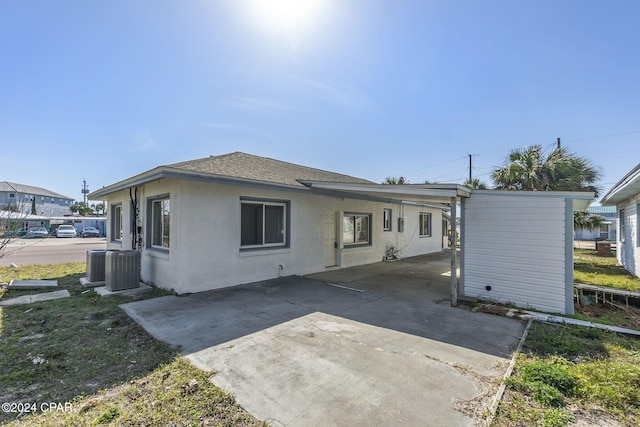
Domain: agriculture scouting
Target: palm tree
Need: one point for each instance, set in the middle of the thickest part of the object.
(475, 184)
(587, 221)
(392, 180)
(530, 169)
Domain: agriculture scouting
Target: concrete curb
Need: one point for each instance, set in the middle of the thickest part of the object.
(503, 385)
(540, 317)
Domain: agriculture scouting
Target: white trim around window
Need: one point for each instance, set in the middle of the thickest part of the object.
(387, 219)
(116, 223)
(424, 224)
(356, 229)
(264, 224)
(159, 231)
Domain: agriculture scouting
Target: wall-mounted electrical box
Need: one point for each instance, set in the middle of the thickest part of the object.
(400, 225)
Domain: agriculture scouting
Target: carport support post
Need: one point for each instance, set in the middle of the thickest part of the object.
(454, 240)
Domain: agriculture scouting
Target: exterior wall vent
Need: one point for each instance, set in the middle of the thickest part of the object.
(122, 270)
(95, 266)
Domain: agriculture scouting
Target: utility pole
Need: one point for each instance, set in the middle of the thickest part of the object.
(558, 143)
(85, 190)
(470, 156)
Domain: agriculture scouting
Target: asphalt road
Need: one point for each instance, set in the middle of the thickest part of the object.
(50, 250)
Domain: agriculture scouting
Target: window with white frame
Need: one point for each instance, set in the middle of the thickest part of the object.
(160, 210)
(424, 224)
(116, 222)
(386, 220)
(356, 229)
(263, 224)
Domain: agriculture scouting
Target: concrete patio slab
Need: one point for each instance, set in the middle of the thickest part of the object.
(298, 352)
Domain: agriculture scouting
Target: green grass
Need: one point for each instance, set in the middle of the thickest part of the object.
(566, 373)
(63, 350)
(176, 393)
(592, 269)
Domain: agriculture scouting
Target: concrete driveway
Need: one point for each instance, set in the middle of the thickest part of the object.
(383, 347)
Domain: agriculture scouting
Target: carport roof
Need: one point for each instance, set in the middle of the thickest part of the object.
(422, 194)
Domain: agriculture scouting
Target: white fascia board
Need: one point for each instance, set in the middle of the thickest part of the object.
(581, 199)
(624, 189)
(384, 189)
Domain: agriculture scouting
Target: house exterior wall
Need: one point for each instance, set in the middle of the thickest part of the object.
(517, 249)
(597, 234)
(205, 250)
(45, 205)
(628, 242)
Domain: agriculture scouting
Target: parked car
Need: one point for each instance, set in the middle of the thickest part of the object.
(90, 232)
(66, 231)
(12, 234)
(37, 232)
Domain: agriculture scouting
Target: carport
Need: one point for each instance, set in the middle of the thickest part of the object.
(516, 247)
(446, 197)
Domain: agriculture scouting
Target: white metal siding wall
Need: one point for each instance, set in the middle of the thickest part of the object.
(516, 245)
(628, 252)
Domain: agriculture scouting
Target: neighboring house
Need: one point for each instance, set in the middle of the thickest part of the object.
(606, 231)
(27, 199)
(625, 196)
(13, 222)
(238, 218)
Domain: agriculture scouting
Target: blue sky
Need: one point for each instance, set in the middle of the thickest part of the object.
(104, 90)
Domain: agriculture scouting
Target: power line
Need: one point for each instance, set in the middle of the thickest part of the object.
(604, 136)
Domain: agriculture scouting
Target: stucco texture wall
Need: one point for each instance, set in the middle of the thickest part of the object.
(205, 250)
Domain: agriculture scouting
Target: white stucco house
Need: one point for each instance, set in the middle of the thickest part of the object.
(238, 218)
(625, 196)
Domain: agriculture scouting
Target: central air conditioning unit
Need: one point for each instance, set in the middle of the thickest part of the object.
(122, 270)
(95, 266)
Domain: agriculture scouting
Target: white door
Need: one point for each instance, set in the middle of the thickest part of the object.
(330, 240)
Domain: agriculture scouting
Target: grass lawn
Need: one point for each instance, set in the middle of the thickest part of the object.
(592, 269)
(87, 355)
(573, 374)
(570, 375)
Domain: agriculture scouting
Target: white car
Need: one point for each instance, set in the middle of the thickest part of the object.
(66, 231)
(37, 232)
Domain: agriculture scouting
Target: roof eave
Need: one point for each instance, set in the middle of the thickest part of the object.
(163, 172)
(624, 189)
(401, 189)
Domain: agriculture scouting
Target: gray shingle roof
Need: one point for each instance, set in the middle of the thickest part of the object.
(263, 169)
(10, 187)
